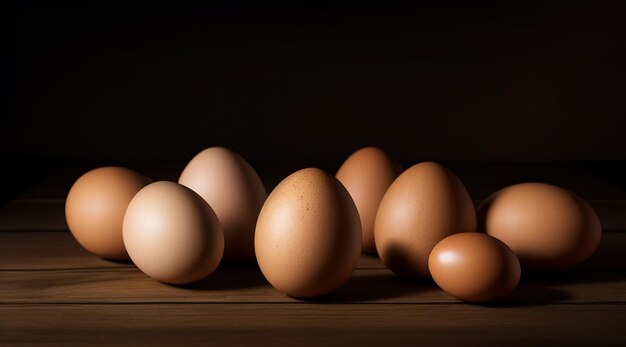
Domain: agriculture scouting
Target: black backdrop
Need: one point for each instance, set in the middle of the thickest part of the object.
(309, 80)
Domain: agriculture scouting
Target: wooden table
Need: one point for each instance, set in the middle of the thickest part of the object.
(53, 291)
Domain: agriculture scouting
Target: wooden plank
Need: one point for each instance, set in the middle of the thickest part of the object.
(32, 250)
(312, 325)
(49, 214)
(129, 285)
(24, 250)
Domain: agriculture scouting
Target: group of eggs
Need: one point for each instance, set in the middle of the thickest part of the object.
(308, 234)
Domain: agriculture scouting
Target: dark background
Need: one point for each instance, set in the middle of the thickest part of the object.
(449, 81)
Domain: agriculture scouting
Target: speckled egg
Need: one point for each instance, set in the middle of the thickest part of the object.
(308, 235)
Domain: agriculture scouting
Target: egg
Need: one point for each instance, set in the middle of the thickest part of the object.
(172, 234)
(548, 227)
(95, 207)
(474, 267)
(367, 174)
(425, 204)
(234, 191)
(308, 235)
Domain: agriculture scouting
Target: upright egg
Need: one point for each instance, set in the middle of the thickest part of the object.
(172, 234)
(474, 267)
(308, 235)
(234, 191)
(367, 174)
(425, 204)
(548, 227)
(95, 207)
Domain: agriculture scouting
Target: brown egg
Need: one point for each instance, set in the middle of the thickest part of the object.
(367, 174)
(172, 234)
(234, 191)
(425, 204)
(474, 267)
(95, 207)
(548, 227)
(308, 236)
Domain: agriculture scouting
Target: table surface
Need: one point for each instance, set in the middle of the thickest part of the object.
(53, 291)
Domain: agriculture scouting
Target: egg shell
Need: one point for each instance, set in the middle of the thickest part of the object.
(95, 208)
(367, 174)
(172, 234)
(474, 267)
(234, 191)
(548, 227)
(308, 235)
(425, 204)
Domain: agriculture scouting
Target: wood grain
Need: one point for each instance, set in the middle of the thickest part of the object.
(42, 250)
(23, 250)
(313, 324)
(31, 250)
(54, 292)
(365, 286)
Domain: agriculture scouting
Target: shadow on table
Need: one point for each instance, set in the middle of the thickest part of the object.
(119, 261)
(543, 289)
(230, 276)
(375, 287)
(577, 276)
(530, 295)
(229, 280)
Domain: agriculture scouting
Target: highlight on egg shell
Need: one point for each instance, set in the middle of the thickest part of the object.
(424, 205)
(172, 234)
(366, 174)
(95, 208)
(548, 227)
(308, 235)
(231, 186)
(474, 267)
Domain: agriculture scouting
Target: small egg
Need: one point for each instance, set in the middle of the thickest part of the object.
(474, 267)
(95, 207)
(308, 235)
(425, 204)
(234, 191)
(548, 227)
(367, 174)
(172, 234)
